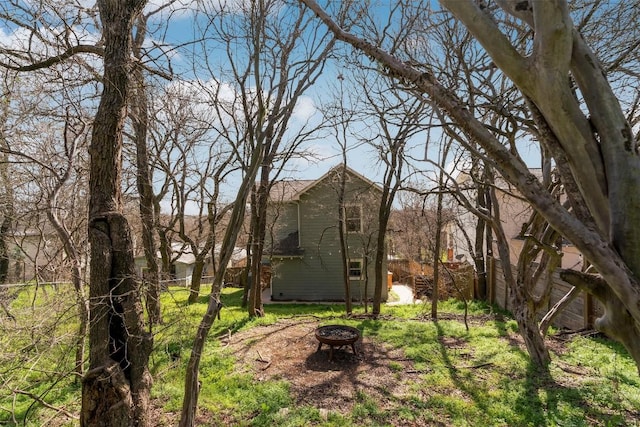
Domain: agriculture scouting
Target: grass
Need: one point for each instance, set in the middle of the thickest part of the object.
(475, 377)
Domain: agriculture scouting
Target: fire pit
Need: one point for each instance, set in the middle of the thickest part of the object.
(337, 336)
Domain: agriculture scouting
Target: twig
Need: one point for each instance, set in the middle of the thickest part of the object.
(481, 365)
(45, 404)
(263, 360)
(228, 338)
(265, 367)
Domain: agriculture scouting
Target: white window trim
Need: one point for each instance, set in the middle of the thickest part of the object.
(358, 260)
(346, 219)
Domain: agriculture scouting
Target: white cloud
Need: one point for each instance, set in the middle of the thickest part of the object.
(304, 109)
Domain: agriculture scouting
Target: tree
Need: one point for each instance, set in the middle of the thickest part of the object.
(140, 122)
(193, 160)
(7, 202)
(116, 388)
(236, 221)
(398, 120)
(599, 147)
(341, 117)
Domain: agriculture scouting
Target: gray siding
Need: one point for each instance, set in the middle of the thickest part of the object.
(284, 220)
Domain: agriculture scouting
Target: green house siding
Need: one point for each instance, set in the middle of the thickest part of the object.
(284, 217)
(317, 274)
(307, 279)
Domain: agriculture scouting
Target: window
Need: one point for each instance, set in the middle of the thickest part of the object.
(355, 269)
(353, 218)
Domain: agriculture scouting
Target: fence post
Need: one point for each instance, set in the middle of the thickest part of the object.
(491, 279)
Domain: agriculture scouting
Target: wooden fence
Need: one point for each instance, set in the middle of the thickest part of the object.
(579, 314)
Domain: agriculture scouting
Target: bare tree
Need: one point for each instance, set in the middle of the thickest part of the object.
(340, 116)
(398, 120)
(7, 202)
(74, 136)
(50, 160)
(236, 221)
(116, 388)
(194, 161)
(140, 122)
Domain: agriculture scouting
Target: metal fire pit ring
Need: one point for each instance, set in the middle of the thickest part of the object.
(337, 336)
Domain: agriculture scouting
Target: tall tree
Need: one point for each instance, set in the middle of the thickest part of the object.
(591, 132)
(236, 221)
(398, 120)
(116, 389)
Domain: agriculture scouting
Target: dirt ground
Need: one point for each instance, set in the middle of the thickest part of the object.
(289, 350)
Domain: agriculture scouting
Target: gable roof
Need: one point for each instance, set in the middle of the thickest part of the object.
(291, 190)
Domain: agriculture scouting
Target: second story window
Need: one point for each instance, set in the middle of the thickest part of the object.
(355, 269)
(353, 218)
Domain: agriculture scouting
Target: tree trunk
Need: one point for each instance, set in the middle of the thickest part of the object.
(196, 279)
(7, 198)
(344, 244)
(521, 308)
(115, 390)
(139, 114)
(478, 256)
(259, 228)
(7, 223)
(435, 294)
(192, 385)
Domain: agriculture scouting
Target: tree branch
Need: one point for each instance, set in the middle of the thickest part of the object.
(74, 50)
(480, 24)
(591, 283)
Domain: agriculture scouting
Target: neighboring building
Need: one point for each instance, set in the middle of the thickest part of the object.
(303, 241)
(183, 261)
(36, 253)
(514, 213)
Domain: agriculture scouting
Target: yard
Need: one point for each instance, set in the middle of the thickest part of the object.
(409, 370)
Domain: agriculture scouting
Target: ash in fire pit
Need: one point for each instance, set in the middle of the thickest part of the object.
(337, 336)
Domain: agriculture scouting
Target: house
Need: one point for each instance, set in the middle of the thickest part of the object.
(303, 244)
